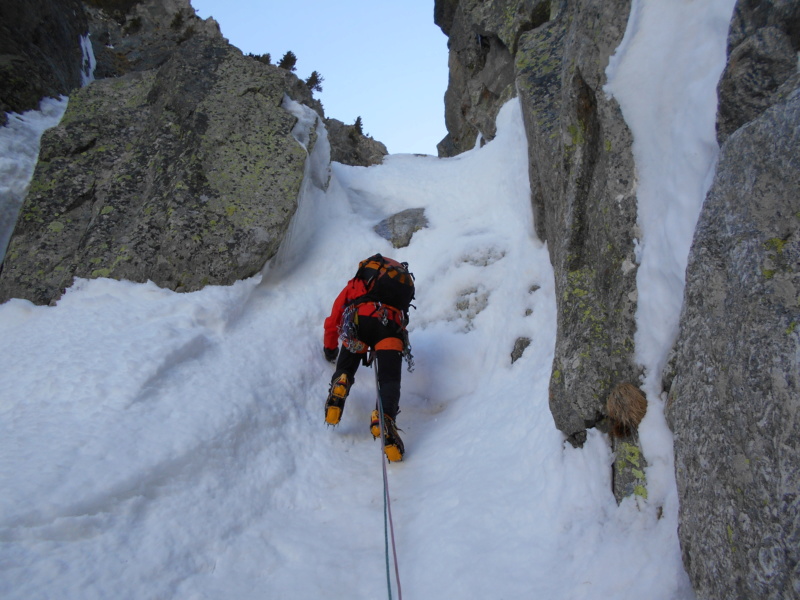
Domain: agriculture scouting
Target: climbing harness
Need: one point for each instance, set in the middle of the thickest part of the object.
(381, 310)
(348, 330)
(388, 525)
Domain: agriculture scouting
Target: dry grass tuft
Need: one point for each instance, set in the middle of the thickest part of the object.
(626, 406)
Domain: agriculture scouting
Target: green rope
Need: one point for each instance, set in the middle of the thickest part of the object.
(387, 507)
(386, 530)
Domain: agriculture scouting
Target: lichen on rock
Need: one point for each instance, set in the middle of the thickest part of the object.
(186, 174)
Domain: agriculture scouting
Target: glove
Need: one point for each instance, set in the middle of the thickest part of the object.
(331, 354)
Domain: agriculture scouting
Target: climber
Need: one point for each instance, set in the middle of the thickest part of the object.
(371, 313)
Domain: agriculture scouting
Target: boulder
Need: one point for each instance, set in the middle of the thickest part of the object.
(520, 345)
(400, 227)
(186, 175)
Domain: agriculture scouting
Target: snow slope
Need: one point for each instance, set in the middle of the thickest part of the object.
(173, 446)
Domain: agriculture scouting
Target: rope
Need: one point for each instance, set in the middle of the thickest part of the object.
(388, 524)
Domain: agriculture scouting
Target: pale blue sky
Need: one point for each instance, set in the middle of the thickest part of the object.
(382, 60)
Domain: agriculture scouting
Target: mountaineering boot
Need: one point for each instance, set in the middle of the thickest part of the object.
(334, 405)
(375, 425)
(393, 445)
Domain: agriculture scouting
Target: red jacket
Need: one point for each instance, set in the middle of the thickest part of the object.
(354, 289)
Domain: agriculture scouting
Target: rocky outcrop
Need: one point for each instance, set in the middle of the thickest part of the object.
(583, 187)
(481, 68)
(183, 170)
(762, 67)
(140, 35)
(40, 51)
(580, 165)
(735, 379)
(177, 165)
(351, 147)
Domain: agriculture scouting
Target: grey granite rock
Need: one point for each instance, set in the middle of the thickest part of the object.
(400, 227)
(735, 396)
(186, 174)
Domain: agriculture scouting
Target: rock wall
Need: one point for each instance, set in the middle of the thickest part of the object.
(734, 402)
(182, 169)
(40, 51)
(735, 398)
(177, 165)
(553, 55)
(140, 35)
(481, 70)
(734, 375)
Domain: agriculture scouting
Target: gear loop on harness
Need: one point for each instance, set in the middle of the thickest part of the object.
(381, 309)
(348, 330)
(407, 352)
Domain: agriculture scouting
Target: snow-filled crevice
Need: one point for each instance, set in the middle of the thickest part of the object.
(672, 117)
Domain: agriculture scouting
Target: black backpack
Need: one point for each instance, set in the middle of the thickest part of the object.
(388, 282)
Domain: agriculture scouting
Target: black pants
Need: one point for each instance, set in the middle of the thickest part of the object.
(371, 331)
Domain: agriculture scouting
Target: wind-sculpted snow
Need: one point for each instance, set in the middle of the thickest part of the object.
(91, 426)
(163, 445)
